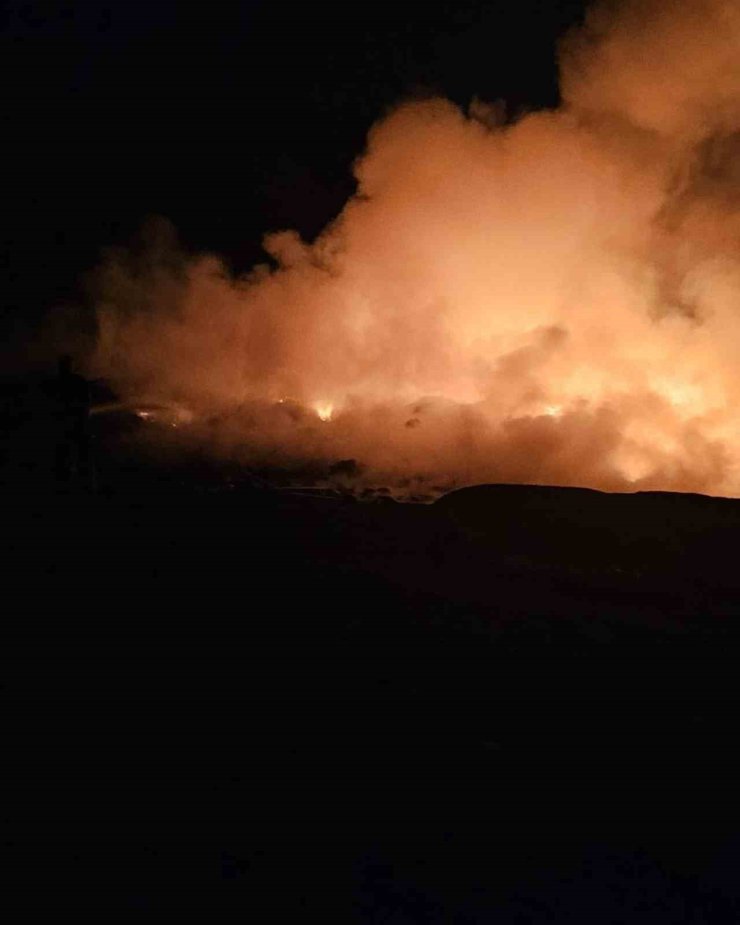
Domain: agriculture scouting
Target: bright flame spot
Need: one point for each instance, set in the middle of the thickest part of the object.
(171, 414)
(554, 411)
(324, 409)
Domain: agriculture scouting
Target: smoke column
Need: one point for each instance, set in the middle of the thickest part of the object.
(553, 301)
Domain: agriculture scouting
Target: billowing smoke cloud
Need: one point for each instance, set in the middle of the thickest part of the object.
(556, 300)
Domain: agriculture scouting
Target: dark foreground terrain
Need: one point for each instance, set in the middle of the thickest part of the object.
(513, 705)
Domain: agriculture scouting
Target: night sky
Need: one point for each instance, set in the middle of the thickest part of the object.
(231, 118)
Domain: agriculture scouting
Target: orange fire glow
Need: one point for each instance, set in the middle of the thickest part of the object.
(555, 300)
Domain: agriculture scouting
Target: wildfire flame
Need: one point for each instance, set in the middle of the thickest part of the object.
(554, 300)
(325, 410)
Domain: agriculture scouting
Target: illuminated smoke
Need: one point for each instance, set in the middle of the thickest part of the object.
(556, 300)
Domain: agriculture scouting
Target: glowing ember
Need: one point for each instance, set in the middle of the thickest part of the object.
(171, 416)
(555, 300)
(324, 410)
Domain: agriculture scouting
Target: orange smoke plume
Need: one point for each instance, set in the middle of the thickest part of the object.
(555, 300)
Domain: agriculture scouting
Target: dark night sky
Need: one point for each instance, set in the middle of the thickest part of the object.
(230, 118)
